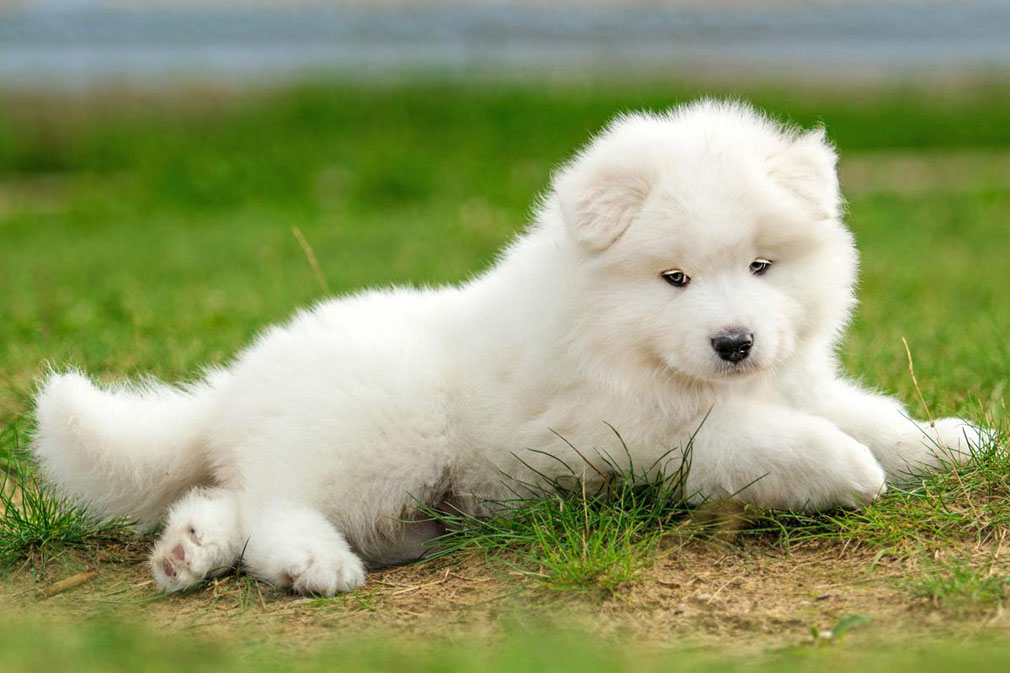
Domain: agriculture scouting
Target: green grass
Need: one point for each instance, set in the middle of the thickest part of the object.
(959, 584)
(109, 646)
(34, 525)
(575, 533)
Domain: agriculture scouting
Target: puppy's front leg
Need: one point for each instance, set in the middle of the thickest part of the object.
(778, 457)
(904, 447)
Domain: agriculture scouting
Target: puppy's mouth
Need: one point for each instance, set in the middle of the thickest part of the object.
(739, 369)
(720, 372)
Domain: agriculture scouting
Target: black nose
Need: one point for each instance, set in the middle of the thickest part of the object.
(733, 346)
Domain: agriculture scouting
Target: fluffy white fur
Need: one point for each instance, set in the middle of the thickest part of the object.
(308, 455)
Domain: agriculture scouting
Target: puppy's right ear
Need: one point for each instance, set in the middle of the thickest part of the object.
(807, 168)
(602, 191)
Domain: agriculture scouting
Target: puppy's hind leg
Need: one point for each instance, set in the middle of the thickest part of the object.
(295, 547)
(202, 538)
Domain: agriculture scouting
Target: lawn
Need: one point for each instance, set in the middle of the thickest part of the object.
(144, 234)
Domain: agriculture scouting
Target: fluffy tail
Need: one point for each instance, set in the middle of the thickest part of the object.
(126, 451)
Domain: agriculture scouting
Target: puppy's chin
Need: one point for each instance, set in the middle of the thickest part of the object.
(718, 372)
(727, 370)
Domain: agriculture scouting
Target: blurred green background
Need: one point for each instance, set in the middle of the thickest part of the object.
(144, 234)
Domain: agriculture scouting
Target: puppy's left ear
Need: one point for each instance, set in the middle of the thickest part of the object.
(807, 167)
(602, 191)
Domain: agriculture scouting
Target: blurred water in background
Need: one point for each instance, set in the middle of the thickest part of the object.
(77, 44)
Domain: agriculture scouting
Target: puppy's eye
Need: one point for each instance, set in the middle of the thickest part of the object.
(759, 266)
(676, 277)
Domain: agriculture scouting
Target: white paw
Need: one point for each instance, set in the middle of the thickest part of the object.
(185, 555)
(841, 472)
(857, 479)
(832, 470)
(952, 440)
(867, 480)
(324, 573)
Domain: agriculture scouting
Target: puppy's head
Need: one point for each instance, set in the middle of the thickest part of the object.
(709, 241)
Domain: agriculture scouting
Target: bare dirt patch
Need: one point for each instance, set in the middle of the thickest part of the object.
(751, 594)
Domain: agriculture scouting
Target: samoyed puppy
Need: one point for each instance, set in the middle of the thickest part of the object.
(685, 281)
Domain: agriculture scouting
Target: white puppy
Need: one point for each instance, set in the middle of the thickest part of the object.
(687, 275)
